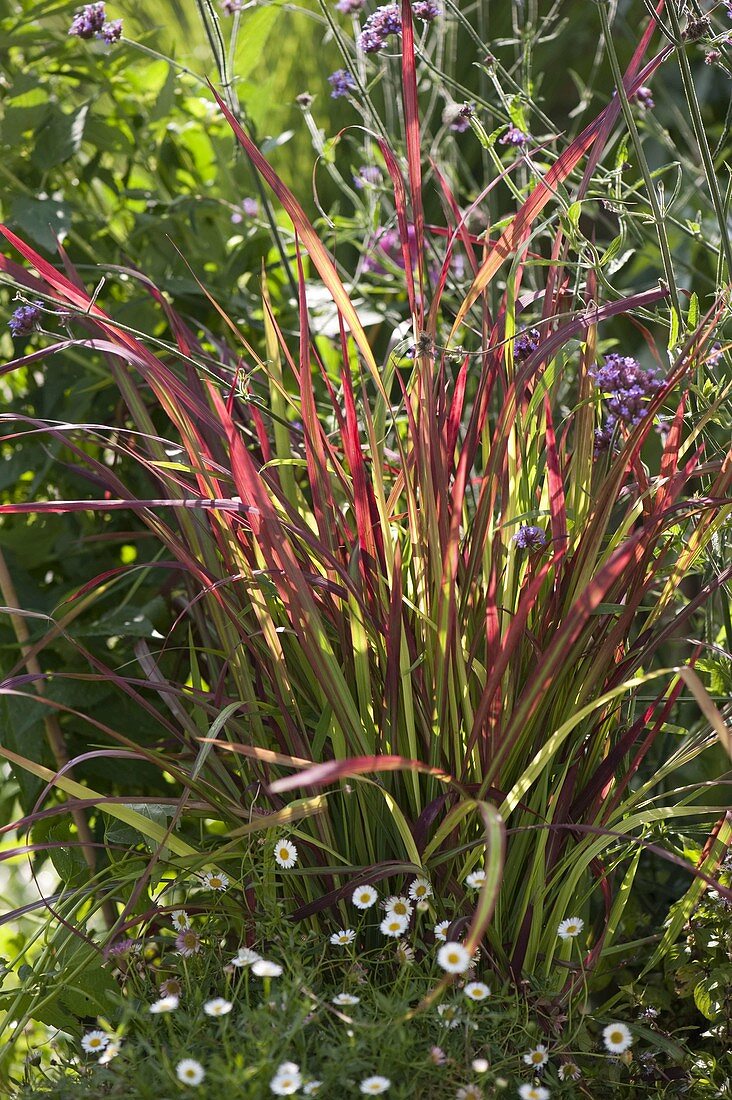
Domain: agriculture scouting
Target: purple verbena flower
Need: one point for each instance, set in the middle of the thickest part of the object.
(529, 538)
(250, 208)
(89, 21)
(341, 83)
(112, 31)
(515, 136)
(387, 242)
(231, 6)
(383, 22)
(24, 319)
(644, 98)
(715, 354)
(426, 10)
(457, 116)
(525, 343)
(626, 387)
(367, 176)
(349, 7)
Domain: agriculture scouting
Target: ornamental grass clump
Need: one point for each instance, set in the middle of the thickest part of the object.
(423, 644)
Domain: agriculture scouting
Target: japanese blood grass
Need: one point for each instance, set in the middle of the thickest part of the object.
(359, 616)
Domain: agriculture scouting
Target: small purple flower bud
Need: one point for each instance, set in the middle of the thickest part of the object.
(456, 116)
(426, 10)
(349, 7)
(529, 538)
(24, 319)
(112, 31)
(341, 82)
(525, 343)
(250, 208)
(644, 98)
(89, 21)
(231, 6)
(515, 136)
(304, 100)
(368, 176)
(715, 354)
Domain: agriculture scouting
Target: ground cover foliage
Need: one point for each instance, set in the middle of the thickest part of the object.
(365, 550)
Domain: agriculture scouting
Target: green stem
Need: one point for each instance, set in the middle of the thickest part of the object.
(701, 137)
(645, 170)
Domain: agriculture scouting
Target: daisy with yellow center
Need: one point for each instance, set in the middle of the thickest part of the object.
(453, 958)
(285, 854)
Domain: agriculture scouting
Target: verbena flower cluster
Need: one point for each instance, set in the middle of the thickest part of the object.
(627, 387)
(515, 136)
(529, 538)
(387, 20)
(525, 343)
(24, 319)
(379, 26)
(341, 83)
(91, 22)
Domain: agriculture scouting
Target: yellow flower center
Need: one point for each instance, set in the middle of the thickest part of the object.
(616, 1037)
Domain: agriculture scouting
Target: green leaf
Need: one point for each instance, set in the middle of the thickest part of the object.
(59, 138)
(253, 33)
(41, 219)
(712, 992)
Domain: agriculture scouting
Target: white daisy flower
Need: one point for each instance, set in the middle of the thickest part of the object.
(570, 928)
(537, 1057)
(287, 1080)
(398, 907)
(469, 1092)
(449, 1015)
(441, 930)
(312, 1088)
(373, 1086)
(245, 957)
(394, 925)
(190, 1072)
(420, 889)
(180, 920)
(475, 880)
(188, 942)
(215, 880)
(343, 937)
(364, 897)
(111, 1051)
(454, 958)
(263, 968)
(533, 1092)
(404, 954)
(477, 991)
(285, 854)
(570, 1071)
(345, 999)
(617, 1038)
(94, 1042)
(165, 1004)
(217, 1007)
